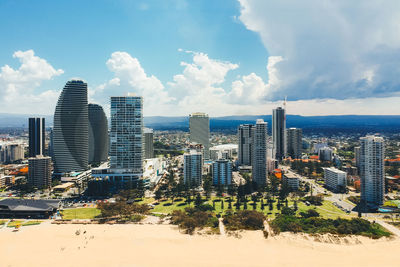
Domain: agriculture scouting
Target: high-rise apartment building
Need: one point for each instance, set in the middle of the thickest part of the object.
(148, 144)
(279, 132)
(245, 146)
(193, 168)
(39, 171)
(98, 134)
(71, 129)
(259, 162)
(294, 138)
(222, 172)
(335, 180)
(36, 136)
(357, 151)
(126, 138)
(11, 152)
(199, 126)
(372, 172)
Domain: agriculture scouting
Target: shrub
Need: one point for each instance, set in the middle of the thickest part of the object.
(309, 213)
(244, 219)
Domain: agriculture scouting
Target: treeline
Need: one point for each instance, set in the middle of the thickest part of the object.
(310, 222)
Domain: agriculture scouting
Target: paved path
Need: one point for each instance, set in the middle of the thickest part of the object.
(221, 226)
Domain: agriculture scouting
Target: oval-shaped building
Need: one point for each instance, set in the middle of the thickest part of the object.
(98, 134)
(71, 129)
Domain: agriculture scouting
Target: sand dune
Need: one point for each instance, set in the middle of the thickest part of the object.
(163, 245)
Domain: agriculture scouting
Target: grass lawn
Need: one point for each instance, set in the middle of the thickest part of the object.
(31, 223)
(80, 213)
(327, 210)
(14, 223)
(2, 222)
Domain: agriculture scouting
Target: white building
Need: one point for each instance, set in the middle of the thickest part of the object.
(199, 127)
(259, 164)
(372, 171)
(193, 168)
(153, 170)
(225, 151)
(222, 172)
(335, 180)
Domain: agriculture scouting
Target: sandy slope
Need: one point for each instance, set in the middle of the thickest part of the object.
(163, 245)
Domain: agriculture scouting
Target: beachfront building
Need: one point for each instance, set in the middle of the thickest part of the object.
(36, 136)
(199, 127)
(98, 134)
(222, 172)
(193, 168)
(28, 208)
(71, 129)
(372, 171)
(259, 162)
(335, 180)
(39, 171)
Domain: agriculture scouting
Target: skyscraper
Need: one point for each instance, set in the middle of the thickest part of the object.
(372, 171)
(294, 138)
(279, 133)
(199, 126)
(36, 136)
(126, 138)
(259, 166)
(245, 140)
(71, 127)
(39, 171)
(193, 168)
(148, 143)
(357, 151)
(222, 172)
(98, 134)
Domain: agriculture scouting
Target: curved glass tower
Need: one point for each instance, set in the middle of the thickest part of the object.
(71, 127)
(98, 134)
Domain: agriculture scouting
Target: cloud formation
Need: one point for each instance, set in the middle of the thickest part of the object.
(18, 87)
(330, 49)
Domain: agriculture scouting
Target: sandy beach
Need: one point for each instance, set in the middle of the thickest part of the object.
(163, 245)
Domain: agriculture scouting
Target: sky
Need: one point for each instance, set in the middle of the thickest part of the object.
(225, 57)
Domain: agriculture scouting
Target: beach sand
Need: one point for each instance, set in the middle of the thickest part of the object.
(163, 245)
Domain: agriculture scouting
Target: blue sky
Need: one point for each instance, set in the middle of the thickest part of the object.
(225, 57)
(79, 36)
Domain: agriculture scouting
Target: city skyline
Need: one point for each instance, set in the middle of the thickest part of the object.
(245, 66)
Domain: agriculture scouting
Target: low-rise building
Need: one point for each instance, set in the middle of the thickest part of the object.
(292, 181)
(335, 180)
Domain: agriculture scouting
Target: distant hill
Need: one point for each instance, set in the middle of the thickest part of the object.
(310, 124)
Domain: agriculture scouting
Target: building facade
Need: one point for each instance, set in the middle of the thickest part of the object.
(71, 129)
(193, 168)
(199, 127)
(294, 137)
(259, 164)
(98, 134)
(222, 172)
(39, 171)
(245, 144)
(148, 143)
(335, 180)
(126, 138)
(37, 136)
(372, 172)
(291, 181)
(325, 154)
(12, 152)
(279, 133)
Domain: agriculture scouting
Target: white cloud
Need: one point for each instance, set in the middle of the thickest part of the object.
(332, 49)
(18, 87)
